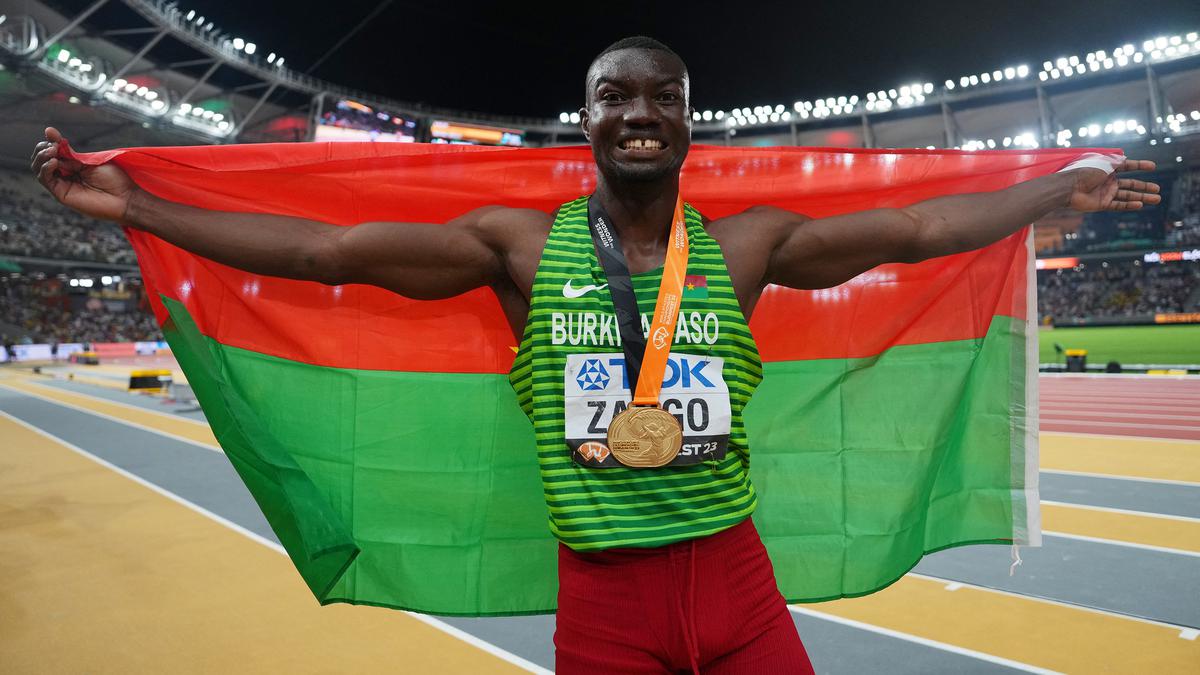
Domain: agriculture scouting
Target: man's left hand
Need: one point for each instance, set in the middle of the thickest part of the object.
(1096, 190)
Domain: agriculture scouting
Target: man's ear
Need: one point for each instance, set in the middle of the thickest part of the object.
(584, 123)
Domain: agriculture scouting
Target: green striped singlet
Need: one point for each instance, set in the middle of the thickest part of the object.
(571, 341)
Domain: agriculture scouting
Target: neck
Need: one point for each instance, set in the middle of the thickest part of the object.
(641, 211)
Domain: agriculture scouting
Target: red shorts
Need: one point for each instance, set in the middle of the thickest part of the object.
(708, 605)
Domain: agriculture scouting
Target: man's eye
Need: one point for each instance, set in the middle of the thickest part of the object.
(611, 97)
(669, 97)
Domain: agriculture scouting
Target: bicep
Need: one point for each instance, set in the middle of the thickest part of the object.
(825, 252)
(426, 261)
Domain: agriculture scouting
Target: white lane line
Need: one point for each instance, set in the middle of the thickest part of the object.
(1120, 437)
(274, 546)
(1111, 476)
(1048, 601)
(1117, 542)
(962, 651)
(112, 418)
(101, 399)
(1110, 509)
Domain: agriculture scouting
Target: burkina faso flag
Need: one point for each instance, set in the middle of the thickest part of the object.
(381, 438)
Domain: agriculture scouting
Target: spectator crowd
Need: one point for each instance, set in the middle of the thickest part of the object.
(33, 224)
(1118, 289)
(40, 312)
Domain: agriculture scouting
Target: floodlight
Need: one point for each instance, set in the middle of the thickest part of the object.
(787, 116)
(779, 108)
(1061, 62)
(870, 105)
(142, 91)
(1137, 58)
(1083, 132)
(238, 43)
(196, 112)
(1094, 66)
(1167, 139)
(279, 62)
(964, 81)
(1010, 72)
(1094, 129)
(1141, 130)
(1081, 69)
(75, 62)
(706, 115)
(892, 93)
(974, 79)
(745, 112)
(774, 117)
(854, 100)
(1122, 61)
(719, 114)
(1022, 70)
(991, 143)
(157, 105)
(185, 108)
(1074, 60)
(928, 88)
(251, 47)
(1170, 51)
(130, 87)
(151, 95)
(997, 75)
(191, 15)
(1046, 66)
(1118, 127)
(1161, 42)
(1130, 124)
(574, 118)
(64, 56)
(1195, 115)
(1175, 39)
(949, 84)
(222, 125)
(1193, 36)
(695, 116)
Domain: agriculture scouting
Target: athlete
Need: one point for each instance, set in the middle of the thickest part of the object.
(693, 590)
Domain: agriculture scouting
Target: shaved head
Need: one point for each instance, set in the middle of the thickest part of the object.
(640, 42)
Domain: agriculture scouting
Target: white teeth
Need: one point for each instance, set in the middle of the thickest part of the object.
(642, 144)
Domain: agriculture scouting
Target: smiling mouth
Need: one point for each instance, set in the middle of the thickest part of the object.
(642, 145)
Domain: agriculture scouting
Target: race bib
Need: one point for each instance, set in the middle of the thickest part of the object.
(596, 389)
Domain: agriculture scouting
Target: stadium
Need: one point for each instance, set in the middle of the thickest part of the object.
(135, 546)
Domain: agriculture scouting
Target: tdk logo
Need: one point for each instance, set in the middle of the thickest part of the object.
(683, 371)
(593, 376)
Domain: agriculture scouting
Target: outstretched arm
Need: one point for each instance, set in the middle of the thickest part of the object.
(418, 260)
(826, 252)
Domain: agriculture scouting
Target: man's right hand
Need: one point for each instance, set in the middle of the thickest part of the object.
(102, 191)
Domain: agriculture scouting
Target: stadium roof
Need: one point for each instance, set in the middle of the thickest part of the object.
(173, 73)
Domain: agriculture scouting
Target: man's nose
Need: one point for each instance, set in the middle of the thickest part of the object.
(641, 111)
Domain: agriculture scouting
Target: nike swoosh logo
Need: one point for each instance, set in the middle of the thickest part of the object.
(571, 292)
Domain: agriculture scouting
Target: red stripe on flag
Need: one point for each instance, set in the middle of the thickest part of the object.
(359, 327)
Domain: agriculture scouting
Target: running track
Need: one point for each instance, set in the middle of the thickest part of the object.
(1122, 405)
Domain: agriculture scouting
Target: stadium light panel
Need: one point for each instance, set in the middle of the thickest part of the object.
(1170, 51)
(1094, 66)
(1010, 72)
(1118, 127)
(991, 143)
(707, 115)
(574, 118)
(695, 116)
(271, 57)
(142, 91)
(1175, 40)
(1074, 60)
(985, 78)
(997, 75)
(1022, 71)
(774, 117)
(218, 117)
(1046, 66)
(1122, 61)
(1061, 62)
(118, 83)
(1195, 115)
(1083, 132)
(1161, 42)
(191, 15)
(1156, 54)
(719, 114)
(1167, 139)
(786, 116)
(279, 62)
(196, 112)
(251, 47)
(974, 80)
(1081, 69)
(1094, 129)
(779, 108)
(964, 81)
(64, 56)
(1141, 130)
(949, 84)
(75, 62)
(892, 93)
(222, 125)
(157, 105)
(200, 21)
(1054, 74)
(1043, 76)
(185, 108)
(1193, 36)
(1006, 142)
(928, 88)
(130, 88)
(1137, 58)
(1153, 142)
(238, 43)
(854, 100)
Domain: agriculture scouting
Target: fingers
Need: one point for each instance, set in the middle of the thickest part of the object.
(53, 135)
(45, 174)
(1136, 165)
(38, 148)
(1139, 185)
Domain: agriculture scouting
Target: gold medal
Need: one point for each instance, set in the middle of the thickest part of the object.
(645, 437)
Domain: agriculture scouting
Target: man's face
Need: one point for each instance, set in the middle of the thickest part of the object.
(638, 117)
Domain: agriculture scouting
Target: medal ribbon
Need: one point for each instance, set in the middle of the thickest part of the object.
(645, 361)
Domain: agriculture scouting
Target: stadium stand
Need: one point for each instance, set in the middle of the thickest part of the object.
(44, 311)
(33, 224)
(1123, 289)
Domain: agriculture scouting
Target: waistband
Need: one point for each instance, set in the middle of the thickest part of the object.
(736, 536)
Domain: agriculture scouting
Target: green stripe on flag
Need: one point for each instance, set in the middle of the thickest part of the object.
(421, 490)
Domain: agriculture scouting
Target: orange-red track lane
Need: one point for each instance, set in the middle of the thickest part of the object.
(1122, 406)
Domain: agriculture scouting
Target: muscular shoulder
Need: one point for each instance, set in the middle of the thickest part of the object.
(758, 225)
(505, 228)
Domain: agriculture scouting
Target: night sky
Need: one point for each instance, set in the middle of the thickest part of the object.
(502, 58)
